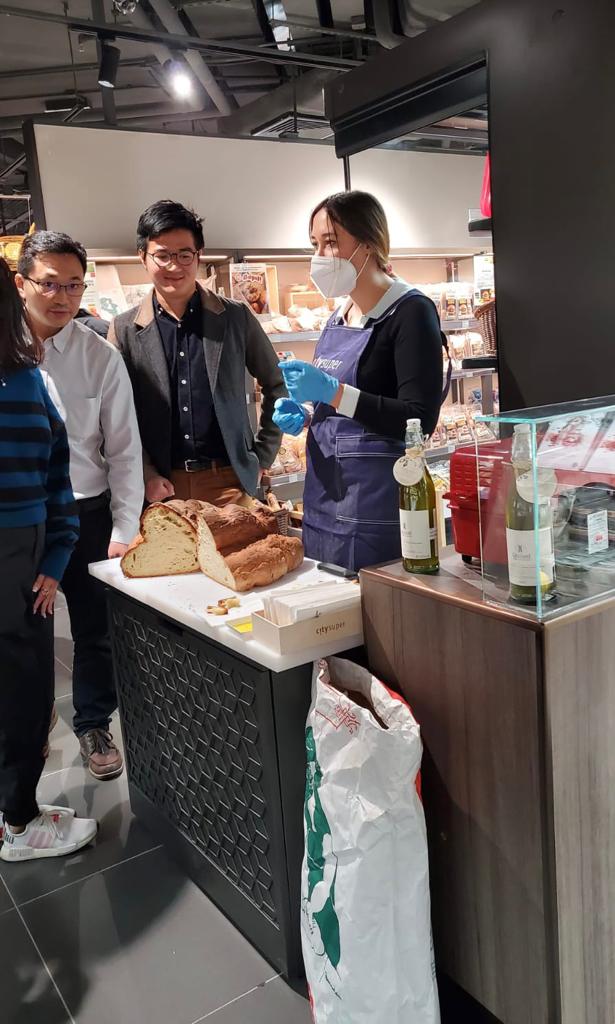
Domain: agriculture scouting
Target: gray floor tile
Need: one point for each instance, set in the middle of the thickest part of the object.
(63, 745)
(273, 1003)
(140, 944)
(6, 902)
(28, 995)
(64, 680)
(63, 639)
(120, 835)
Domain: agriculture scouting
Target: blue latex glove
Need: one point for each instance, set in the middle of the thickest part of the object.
(289, 416)
(306, 383)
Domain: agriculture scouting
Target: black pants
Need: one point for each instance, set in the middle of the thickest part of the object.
(26, 674)
(93, 689)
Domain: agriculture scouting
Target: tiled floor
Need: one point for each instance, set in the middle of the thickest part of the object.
(117, 934)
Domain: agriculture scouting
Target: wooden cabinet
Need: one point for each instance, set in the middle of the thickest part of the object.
(518, 721)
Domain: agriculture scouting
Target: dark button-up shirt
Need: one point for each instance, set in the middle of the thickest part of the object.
(195, 430)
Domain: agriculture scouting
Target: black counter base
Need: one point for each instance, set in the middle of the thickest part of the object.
(245, 916)
(215, 755)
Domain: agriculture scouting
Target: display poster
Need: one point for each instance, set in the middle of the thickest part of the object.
(568, 442)
(90, 299)
(602, 462)
(135, 293)
(484, 279)
(249, 285)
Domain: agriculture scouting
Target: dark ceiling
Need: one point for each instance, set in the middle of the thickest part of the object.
(253, 67)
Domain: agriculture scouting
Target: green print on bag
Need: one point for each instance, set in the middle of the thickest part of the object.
(321, 862)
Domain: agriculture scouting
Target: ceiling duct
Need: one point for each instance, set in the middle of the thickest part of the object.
(295, 126)
(173, 23)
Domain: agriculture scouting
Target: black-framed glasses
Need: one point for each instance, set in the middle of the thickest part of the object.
(75, 289)
(164, 258)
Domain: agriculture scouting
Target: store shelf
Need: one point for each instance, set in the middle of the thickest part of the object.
(293, 336)
(443, 452)
(287, 478)
(468, 324)
(471, 374)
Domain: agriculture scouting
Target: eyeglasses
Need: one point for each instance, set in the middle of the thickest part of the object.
(163, 258)
(75, 289)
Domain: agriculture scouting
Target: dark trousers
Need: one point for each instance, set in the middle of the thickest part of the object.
(94, 698)
(26, 674)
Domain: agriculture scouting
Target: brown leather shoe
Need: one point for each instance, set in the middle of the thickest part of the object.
(100, 754)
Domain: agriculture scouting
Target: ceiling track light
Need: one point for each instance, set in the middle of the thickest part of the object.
(109, 63)
(179, 79)
(125, 6)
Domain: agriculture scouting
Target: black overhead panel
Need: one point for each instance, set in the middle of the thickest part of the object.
(545, 67)
(325, 15)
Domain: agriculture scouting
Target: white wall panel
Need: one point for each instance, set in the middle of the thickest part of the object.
(251, 193)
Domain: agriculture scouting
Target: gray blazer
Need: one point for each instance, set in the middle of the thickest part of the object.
(233, 341)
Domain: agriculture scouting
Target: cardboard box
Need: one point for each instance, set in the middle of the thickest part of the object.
(309, 633)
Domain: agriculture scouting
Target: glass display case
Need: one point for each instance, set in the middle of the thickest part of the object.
(534, 509)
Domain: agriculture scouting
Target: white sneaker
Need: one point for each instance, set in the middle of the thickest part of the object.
(49, 835)
(43, 808)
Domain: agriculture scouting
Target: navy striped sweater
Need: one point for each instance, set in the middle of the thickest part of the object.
(34, 467)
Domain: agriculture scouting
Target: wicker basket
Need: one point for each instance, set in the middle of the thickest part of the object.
(10, 246)
(485, 315)
(283, 518)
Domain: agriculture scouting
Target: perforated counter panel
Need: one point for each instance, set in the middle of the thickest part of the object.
(216, 765)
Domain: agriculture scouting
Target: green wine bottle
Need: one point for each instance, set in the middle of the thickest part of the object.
(417, 505)
(521, 540)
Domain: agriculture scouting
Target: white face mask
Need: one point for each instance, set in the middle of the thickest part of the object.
(335, 276)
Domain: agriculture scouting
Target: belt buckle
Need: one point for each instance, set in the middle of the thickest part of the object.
(193, 465)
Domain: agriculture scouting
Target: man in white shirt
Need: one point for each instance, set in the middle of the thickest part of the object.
(91, 386)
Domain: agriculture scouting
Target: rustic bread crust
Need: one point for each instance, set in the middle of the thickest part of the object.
(236, 546)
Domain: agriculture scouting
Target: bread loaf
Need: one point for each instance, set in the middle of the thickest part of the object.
(260, 564)
(237, 547)
(166, 545)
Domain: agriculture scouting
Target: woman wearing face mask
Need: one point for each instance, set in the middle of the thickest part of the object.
(377, 363)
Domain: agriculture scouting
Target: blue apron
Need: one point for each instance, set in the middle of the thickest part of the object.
(351, 499)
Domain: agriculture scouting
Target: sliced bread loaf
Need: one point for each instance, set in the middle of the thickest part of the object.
(166, 545)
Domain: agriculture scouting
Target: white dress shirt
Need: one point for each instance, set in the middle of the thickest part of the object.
(92, 390)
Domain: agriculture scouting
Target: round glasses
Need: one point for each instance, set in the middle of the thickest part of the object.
(75, 289)
(164, 258)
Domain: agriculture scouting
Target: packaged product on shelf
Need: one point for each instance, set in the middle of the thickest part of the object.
(249, 285)
(475, 343)
(287, 455)
(464, 302)
(299, 445)
(457, 348)
(449, 304)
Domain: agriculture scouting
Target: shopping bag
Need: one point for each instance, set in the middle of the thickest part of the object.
(365, 909)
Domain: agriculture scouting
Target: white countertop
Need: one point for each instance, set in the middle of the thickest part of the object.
(185, 598)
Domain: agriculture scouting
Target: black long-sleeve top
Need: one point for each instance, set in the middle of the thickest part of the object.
(400, 373)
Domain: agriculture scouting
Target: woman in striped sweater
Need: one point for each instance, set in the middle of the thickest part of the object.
(38, 530)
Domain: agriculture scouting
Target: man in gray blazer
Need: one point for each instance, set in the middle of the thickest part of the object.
(187, 351)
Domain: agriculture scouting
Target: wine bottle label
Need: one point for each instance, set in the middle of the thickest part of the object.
(408, 470)
(522, 557)
(546, 481)
(416, 534)
(597, 531)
